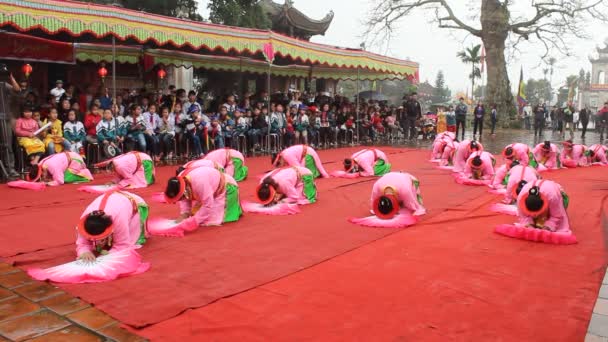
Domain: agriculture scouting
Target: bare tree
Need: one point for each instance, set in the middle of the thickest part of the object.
(550, 23)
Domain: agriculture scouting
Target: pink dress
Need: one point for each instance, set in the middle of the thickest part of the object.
(499, 177)
(122, 207)
(558, 217)
(295, 156)
(57, 164)
(439, 146)
(574, 157)
(202, 163)
(487, 167)
(223, 157)
(521, 153)
(130, 170)
(209, 192)
(447, 156)
(517, 174)
(366, 160)
(548, 159)
(290, 183)
(406, 187)
(462, 154)
(600, 155)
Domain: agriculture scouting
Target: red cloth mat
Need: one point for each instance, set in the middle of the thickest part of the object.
(449, 277)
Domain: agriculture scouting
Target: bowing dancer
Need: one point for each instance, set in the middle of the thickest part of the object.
(542, 215)
(160, 196)
(134, 170)
(109, 231)
(441, 140)
(206, 197)
(300, 155)
(463, 151)
(365, 163)
(521, 153)
(447, 155)
(547, 155)
(56, 169)
(573, 155)
(479, 169)
(232, 161)
(396, 202)
(518, 177)
(282, 190)
(596, 155)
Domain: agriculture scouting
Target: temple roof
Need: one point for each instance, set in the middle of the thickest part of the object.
(289, 20)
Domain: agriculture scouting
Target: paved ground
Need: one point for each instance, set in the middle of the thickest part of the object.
(36, 311)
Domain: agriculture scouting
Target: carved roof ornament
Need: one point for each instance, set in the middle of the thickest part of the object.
(289, 20)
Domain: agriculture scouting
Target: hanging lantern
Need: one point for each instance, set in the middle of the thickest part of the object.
(102, 72)
(161, 74)
(27, 70)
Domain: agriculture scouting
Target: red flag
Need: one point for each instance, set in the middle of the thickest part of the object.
(483, 58)
(269, 52)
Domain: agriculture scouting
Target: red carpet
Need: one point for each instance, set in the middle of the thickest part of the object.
(448, 276)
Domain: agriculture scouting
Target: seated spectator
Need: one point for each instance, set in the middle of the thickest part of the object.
(136, 126)
(53, 139)
(166, 133)
(73, 131)
(152, 119)
(302, 123)
(258, 129)
(90, 123)
(108, 134)
(25, 127)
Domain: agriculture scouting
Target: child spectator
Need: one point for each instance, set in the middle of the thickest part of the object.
(90, 124)
(25, 127)
(152, 119)
(73, 131)
(166, 131)
(136, 126)
(302, 124)
(54, 140)
(108, 134)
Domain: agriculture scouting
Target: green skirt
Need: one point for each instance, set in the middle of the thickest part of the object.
(309, 162)
(233, 209)
(381, 168)
(69, 177)
(240, 170)
(310, 189)
(144, 212)
(417, 186)
(532, 162)
(148, 171)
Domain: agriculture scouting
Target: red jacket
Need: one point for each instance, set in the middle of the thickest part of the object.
(90, 123)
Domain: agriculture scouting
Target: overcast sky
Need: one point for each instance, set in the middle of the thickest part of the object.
(435, 49)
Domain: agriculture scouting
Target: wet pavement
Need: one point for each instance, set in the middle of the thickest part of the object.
(37, 311)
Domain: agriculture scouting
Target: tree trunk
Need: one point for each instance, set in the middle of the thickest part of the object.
(495, 30)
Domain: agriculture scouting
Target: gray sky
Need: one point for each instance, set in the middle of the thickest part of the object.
(435, 49)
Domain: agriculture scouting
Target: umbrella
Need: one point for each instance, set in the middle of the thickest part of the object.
(372, 95)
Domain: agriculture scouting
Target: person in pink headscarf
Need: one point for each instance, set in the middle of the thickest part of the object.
(61, 168)
(521, 153)
(573, 155)
(463, 151)
(396, 202)
(365, 163)
(292, 184)
(547, 155)
(596, 155)
(478, 170)
(300, 155)
(113, 222)
(232, 161)
(206, 197)
(133, 170)
(542, 214)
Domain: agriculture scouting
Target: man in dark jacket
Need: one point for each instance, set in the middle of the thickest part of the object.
(584, 119)
(461, 116)
(539, 119)
(413, 112)
(479, 112)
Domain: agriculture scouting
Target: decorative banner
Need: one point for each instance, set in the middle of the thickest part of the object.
(269, 52)
(23, 47)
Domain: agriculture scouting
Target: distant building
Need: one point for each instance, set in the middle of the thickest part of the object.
(596, 93)
(289, 20)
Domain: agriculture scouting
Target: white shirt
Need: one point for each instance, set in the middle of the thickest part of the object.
(57, 92)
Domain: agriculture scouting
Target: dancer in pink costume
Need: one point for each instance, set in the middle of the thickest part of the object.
(542, 215)
(300, 155)
(479, 169)
(439, 144)
(365, 163)
(206, 197)
(282, 190)
(396, 202)
(231, 160)
(521, 153)
(596, 155)
(518, 177)
(463, 151)
(133, 170)
(56, 169)
(547, 155)
(500, 175)
(573, 155)
(447, 156)
(200, 163)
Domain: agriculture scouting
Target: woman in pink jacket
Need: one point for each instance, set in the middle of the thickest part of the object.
(396, 202)
(463, 151)
(206, 197)
(521, 153)
(293, 185)
(232, 161)
(65, 167)
(365, 163)
(542, 214)
(596, 155)
(300, 155)
(134, 170)
(439, 144)
(479, 169)
(547, 155)
(573, 155)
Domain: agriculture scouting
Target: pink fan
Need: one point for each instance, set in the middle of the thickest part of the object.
(445, 167)
(435, 160)
(403, 219)
(498, 191)
(106, 267)
(21, 184)
(569, 163)
(343, 174)
(159, 197)
(536, 235)
(464, 180)
(171, 228)
(97, 189)
(275, 210)
(508, 209)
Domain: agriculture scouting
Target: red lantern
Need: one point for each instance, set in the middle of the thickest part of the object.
(27, 70)
(102, 72)
(161, 73)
